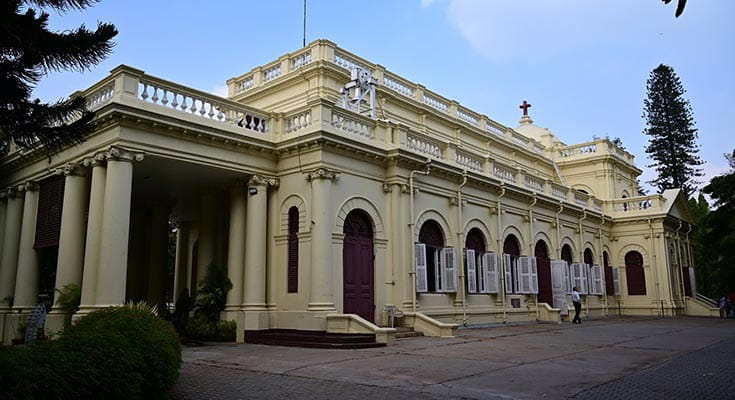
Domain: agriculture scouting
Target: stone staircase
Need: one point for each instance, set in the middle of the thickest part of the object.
(402, 333)
(312, 339)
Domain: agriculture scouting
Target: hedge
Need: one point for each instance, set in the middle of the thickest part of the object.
(116, 353)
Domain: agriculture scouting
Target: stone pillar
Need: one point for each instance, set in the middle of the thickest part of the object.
(321, 296)
(158, 254)
(11, 236)
(26, 283)
(236, 248)
(71, 240)
(255, 246)
(182, 258)
(94, 232)
(113, 256)
(207, 236)
(3, 209)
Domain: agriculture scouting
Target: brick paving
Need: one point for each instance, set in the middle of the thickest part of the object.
(630, 358)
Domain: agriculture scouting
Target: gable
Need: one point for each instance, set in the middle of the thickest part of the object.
(677, 205)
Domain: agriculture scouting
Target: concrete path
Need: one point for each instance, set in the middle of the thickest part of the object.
(636, 358)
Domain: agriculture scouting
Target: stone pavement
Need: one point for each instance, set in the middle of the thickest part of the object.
(620, 358)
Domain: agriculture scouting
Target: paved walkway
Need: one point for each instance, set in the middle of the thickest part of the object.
(629, 358)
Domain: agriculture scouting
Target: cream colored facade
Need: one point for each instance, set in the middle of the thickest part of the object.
(228, 171)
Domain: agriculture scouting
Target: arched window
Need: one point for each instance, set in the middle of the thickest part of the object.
(588, 258)
(609, 278)
(566, 253)
(293, 250)
(473, 261)
(634, 274)
(511, 252)
(435, 265)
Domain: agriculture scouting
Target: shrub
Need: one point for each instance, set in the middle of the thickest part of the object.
(212, 294)
(199, 328)
(69, 297)
(116, 353)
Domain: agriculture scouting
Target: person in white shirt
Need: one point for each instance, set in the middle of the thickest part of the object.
(577, 305)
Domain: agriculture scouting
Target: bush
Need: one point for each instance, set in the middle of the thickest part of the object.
(116, 353)
(69, 297)
(212, 294)
(199, 328)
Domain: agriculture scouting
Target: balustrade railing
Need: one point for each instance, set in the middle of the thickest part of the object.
(352, 125)
(397, 85)
(495, 130)
(581, 199)
(425, 146)
(199, 104)
(300, 60)
(637, 204)
(348, 62)
(101, 96)
(298, 121)
(504, 173)
(272, 73)
(432, 101)
(534, 183)
(469, 162)
(466, 116)
(559, 191)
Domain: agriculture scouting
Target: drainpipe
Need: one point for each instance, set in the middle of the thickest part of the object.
(413, 229)
(501, 259)
(558, 238)
(681, 264)
(460, 236)
(602, 263)
(654, 265)
(581, 258)
(531, 246)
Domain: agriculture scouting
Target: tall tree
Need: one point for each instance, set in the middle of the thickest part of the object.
(29, 51)
(670, 125)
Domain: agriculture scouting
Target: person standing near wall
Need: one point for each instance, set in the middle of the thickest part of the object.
(723, 306)
(577, 305)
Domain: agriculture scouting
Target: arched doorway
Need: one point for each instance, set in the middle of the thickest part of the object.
(634, 275)
(566, 254)
(609, 279)
(475, 273)
(511, 252)
(431, 235)
(543, 264)
(589, 259)
(358, 266)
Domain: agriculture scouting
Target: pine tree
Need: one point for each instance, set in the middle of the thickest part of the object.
(670, 125)
(29, 51)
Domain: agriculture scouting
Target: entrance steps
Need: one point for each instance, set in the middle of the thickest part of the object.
(312, 339)
(402, 333)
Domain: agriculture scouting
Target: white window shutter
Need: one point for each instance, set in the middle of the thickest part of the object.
(491, 261)
(533, 276)
(600, 280)
(449, 267)
(481, 273)
(422, 283)
(523, 275)
(616, 281)
(438, 278)
(579, 277)
(585, 279)
(567, 278)
(469, 257)
(508, 267)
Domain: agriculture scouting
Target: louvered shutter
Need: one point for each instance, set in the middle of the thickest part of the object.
(449, 268)
(567, 278)
(48, 217)
(492, 284)
(578, 278)
(508, 268)
(585, 279)
(522, 275)
(693, 282)
(533, 275)
(560, 284)
(469, 257)
(599, 280)
(422, 284)
(482, 274)
(616, 281)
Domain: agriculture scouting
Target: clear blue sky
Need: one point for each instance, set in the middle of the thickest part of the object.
(582, 64)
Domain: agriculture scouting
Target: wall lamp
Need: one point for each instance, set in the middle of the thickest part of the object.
(252, 191)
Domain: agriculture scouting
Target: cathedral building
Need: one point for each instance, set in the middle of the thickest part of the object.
(337, 195)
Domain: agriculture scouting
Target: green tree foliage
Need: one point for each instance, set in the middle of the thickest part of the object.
(672, 135)
(718, 232)
(679, 6)
(28, 51)
(700, 253)
(212, 293)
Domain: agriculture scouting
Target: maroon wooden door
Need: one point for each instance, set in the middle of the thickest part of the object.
(358, 268)
(543, 265)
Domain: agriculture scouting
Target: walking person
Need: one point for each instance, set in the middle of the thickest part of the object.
(577, 305)
(723, 306)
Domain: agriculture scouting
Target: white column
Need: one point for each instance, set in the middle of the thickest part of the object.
(26, 283)
(113, 258)
(11, 236)
(236, 247)
(321, 296)
(255, 245)
(94, 232)
(181, 265)
(71, 235)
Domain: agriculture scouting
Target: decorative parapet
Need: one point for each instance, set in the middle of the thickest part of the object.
(504, 173)
(600, 147)
(298, 121)
(425, 146)
(559, 191)
(637, 205)
(352, 125)
(469, 162)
